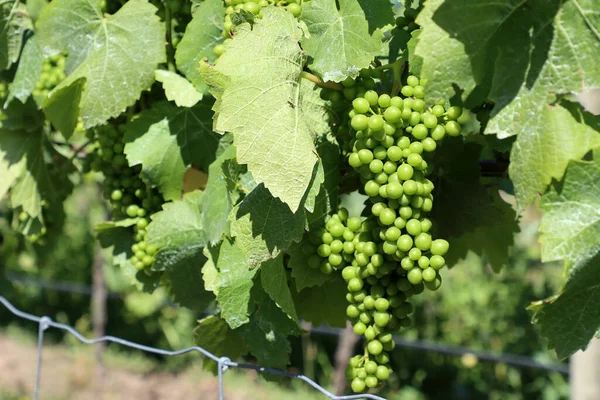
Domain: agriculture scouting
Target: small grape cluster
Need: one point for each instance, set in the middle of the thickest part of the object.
(128, 195)
(254, 7)
(53, 72)
(24, 220)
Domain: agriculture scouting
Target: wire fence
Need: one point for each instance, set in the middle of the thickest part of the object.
(516, 360)
(224, 363)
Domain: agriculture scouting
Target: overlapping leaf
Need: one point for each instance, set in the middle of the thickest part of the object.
(264, 226)
(571, 231)
(28, 72)
(177, 88)
(202, 34)
(217, 201)
(14, 21)
(272, 112)
(105, 51)
(538, 157)
(339, 25)
(324, 304)
(518, 54)
(464, 209)
(232, 283)
(166, 140)
(275, 283)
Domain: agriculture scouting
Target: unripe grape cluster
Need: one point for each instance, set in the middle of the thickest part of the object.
(39, 236)
(53, 72)
(128, 195)
(254, 7)
(391, 254)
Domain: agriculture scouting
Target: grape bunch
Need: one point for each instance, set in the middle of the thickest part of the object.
(254, 7)
(391, 254)
(129, 197)
(53, 72)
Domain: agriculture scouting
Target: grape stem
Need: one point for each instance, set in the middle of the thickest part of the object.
(317, 81)
(170, 48)
(80, 148)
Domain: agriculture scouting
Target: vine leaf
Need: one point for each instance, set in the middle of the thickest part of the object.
(264, 226)
(214, 335)
(166, 140)
(275, 283)
(469, 215)
(273, 113)
(234, 282)
(538, 156)
(177, 88)
(202, 34)
(104, 51)
(217, 200)
(25, 172)
(310, 303)
(304, 276)
(344, 29)
(570, 230)
(28, 71)
(14, 21)
(267, 333)
(571, 223)
(520, 55)
(379, 13)
(179, 225)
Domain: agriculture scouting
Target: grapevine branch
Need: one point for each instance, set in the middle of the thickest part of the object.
(316, 80)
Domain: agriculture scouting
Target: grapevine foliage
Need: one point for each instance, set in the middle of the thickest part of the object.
(225, 135)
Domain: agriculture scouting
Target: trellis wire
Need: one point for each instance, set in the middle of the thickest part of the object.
(442, 348)
(224, 363)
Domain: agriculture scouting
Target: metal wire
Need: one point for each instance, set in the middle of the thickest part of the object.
(516, 360)
(224, 363)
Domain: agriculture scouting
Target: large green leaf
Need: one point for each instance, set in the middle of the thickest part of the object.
(217, 201)
(542, 155)
(272, 112)
(202, 34)
(28, 72)
(379, 13)
(570, 230)
(304, 276)
(571, 320)
(274, 281)
(26, 173)
(166, 140)
(179, 225)
(107, 52)
(185, 282)
(519, 55)
(214, 335)
(233, 284)
(465, 211)
(324, 304)
(177, 88)
(339, 25)
(571, 223)
(264, 226)
(14, 21)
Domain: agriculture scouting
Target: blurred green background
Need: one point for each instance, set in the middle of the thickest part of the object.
(475, 308)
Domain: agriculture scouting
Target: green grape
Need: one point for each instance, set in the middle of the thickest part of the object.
(359, 122)
(372, 97)
(439, 247)
(453, 128)
(412, 81)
